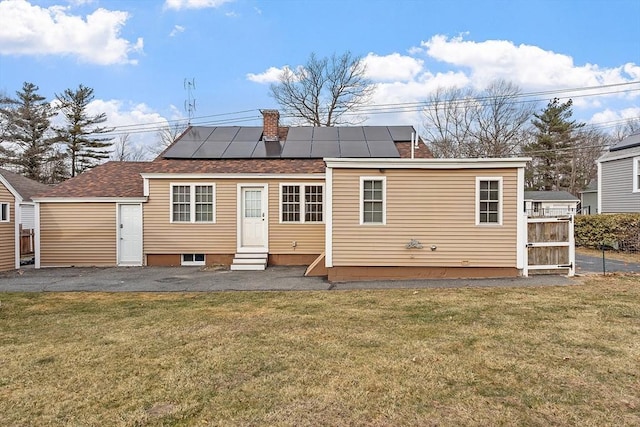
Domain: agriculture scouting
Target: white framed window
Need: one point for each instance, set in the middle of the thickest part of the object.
(488, 200)
(192, 259)
(193, 203)
(636, 174)
(373, 205)
(4, 212)
(301, 203)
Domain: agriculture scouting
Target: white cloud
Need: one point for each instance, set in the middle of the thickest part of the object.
(176, 30)
(194, 4)
(394, 67)
(26, 29)
(525, 65)
(138, 120)
(608, 116)
(410, 78)
(272, 75)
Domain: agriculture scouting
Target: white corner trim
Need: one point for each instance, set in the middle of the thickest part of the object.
(16, 223)
(145, 187)
(36, 238)
(521, 223)
(328, 217)
(636, 172)
(599, 188)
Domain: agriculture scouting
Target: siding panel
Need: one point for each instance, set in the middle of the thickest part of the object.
(7, 233)
(79, 234)
(435, 207)
(163, 237)
(617, 187)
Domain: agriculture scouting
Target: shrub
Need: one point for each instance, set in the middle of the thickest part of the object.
(622, 231)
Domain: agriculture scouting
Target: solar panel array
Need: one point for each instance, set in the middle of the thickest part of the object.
(306, 142)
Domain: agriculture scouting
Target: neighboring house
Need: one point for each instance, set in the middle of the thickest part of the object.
(351, 202)
(619, 177)
(589, 199)
(550, 203)
(16, 216)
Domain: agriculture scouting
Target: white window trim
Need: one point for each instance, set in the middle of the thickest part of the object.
(8, 205)
(190, 263)
(302, 202)
(636, 172)
(192, 201)
(384, 199)
(500, 207)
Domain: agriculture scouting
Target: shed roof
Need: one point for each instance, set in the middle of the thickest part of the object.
(24, 186)
(551, 196)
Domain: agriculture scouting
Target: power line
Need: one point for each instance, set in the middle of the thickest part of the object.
(381, 109)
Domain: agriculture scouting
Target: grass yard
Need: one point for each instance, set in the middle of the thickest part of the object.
(442, 357)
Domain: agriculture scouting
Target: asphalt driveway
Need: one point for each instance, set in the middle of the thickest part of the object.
(590, 264)
(194, 279)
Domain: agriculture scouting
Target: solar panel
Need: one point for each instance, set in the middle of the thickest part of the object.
(320, 149)
(351, 133)
(300, 133)
(377, 133)
(354, 149)
(325, 133)
(248, 134)
(240, 150)
(211, 150)
(296, 149)
(267, 149)
(197, 133)
(401, 133)
(224, 133)
(182, 149)
(383, 149)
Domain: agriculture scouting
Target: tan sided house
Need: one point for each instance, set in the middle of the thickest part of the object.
(17, 217)
(350, 202)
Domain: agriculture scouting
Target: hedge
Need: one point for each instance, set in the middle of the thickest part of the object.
(622, 231)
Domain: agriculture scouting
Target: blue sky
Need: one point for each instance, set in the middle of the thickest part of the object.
(137, 54)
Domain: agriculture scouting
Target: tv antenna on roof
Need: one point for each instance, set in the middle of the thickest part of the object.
(190, 103)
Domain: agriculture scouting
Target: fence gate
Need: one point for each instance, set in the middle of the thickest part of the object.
(550, 245)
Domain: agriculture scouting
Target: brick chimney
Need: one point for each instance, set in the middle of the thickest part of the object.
(270, 124)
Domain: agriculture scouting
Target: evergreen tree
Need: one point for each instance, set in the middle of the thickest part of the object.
(552, 147)
(26, 132)
(82, 132)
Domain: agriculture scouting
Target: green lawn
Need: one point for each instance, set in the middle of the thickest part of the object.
(512, 356)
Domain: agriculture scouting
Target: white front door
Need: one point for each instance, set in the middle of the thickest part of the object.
(253, 222)
(130, 234)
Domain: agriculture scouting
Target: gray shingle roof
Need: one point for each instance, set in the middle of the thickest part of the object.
(551, 196)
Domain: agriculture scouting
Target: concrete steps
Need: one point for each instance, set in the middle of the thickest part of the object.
(250, 261)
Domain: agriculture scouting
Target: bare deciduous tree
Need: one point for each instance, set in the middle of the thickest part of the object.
(324, 91)
(630, 127)
(501, 120)
(467, 123)
(124, 151)
(166, 136)
(448, 122)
